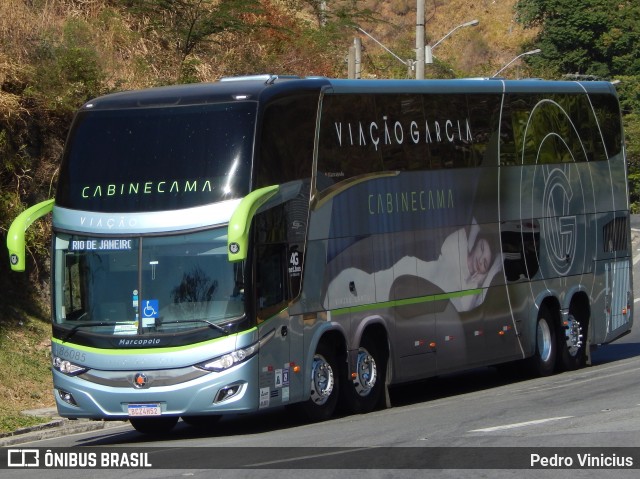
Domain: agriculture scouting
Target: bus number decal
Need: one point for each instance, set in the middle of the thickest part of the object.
(70, 354)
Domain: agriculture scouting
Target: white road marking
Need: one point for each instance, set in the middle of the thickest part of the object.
(521, 424)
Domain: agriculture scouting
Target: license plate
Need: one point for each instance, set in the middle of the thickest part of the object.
(141, 410)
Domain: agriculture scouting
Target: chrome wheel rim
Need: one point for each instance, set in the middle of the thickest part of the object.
(366, 373)
(573, 332)
(322, 381)
(544, 340)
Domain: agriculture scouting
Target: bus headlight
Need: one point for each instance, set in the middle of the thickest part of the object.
(67, 367)
(229, 360)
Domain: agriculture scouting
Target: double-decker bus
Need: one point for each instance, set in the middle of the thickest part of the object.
(258, 242)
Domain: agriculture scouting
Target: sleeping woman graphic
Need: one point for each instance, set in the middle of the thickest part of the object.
(467, 263)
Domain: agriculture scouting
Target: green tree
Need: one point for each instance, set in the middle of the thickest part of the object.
(591, 37)
(629, 91)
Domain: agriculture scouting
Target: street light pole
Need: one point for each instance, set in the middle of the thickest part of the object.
(532, 52)
(423, 52)
(429, 49)
(420, 40)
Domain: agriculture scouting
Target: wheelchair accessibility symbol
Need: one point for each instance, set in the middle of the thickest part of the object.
(150, 309)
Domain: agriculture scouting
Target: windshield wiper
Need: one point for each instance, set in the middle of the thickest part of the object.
(88, 325)
(212, 325)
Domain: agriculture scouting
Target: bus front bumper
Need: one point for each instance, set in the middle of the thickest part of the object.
(227, 392)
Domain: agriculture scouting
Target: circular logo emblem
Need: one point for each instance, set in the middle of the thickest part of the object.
(140, 380)
(234, 248)
(560, 227)
(14, 259)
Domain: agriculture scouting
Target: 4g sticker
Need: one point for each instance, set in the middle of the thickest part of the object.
(295, 267)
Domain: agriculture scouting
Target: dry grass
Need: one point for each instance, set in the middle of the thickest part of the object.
(134, 57)
(25, 378)
(473, 51)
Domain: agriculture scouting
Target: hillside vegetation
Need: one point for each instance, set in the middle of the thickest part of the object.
(57, 54)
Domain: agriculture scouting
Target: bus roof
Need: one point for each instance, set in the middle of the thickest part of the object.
(261, 87)
(469, 85)
(241, 88)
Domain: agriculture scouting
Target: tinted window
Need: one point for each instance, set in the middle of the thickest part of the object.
(286, 140)
(540, 129)
(153, 159)
(364, 134)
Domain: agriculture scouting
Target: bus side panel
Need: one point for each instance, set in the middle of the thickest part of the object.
(401, 250)
(567, 198)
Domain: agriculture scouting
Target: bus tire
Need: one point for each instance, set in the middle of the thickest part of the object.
(363, 393)
(572, 343)
(154, 425)
(543, 362)
(325, 385)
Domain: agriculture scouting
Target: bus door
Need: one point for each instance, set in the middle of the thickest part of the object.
(271, 300)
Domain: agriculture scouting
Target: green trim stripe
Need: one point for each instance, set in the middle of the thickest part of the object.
(137, 352)
(405, 302)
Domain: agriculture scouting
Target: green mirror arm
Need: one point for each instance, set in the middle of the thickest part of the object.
(16, 234)
(240, 222)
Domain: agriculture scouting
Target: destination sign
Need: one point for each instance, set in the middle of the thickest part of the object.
(101, 245)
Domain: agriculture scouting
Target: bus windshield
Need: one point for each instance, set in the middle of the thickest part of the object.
(157, 159)
(133, 285)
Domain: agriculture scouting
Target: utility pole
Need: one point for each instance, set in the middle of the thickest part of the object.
(351, 63)
(357, 44)
(354, 60)
(420, 40)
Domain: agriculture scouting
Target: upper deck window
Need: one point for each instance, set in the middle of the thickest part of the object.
(368, 134)
(157, 158)
(559, 128)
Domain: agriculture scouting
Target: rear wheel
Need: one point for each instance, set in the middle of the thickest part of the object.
(362, 390)
(572, 344)
(543, 361)
(154, 425)
(324, 386)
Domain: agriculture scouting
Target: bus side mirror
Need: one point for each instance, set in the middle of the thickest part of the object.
(240, 222)
(16, 234)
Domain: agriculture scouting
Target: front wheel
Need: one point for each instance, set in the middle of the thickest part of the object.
(154, 425)
(324, 386)
(543, 362)
(362, 391)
